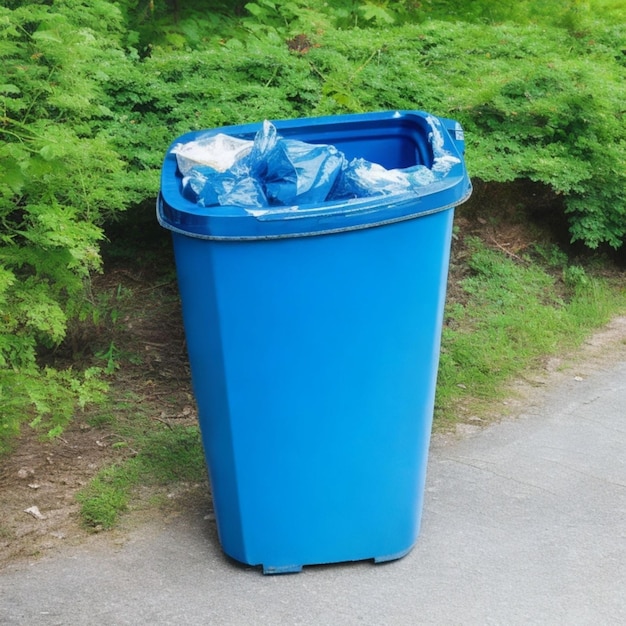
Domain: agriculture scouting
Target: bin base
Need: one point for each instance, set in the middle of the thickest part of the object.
(392, 557)
(282, 569)
(296, 569)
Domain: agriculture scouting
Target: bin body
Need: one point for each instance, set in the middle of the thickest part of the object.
(314, 358)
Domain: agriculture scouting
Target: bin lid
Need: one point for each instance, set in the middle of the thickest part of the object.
(408, 131)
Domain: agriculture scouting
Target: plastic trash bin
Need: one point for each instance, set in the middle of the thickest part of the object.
(313, 335)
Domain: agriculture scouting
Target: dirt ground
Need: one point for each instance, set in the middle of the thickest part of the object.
(39, 513)
(39, 480)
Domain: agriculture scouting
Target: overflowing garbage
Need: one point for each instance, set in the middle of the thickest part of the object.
(272, 171)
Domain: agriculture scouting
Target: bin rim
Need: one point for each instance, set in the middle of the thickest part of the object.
(182, 216)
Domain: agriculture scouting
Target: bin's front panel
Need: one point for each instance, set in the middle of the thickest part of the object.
(314, 364)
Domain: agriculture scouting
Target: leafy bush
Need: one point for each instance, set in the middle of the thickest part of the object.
(540, 94)
(59, 179)
(92, 92)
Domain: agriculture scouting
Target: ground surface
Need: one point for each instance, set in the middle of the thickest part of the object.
(39, 482)
(524, 522)
(152, 374)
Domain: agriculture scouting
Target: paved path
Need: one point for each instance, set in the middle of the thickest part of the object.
(524, 523)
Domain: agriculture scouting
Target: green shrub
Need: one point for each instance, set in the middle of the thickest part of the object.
(540, 94)
(92, 92)
(60, 178)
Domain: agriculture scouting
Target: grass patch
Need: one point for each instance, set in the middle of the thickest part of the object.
(516, 311)
(107, 495)
(164, 456)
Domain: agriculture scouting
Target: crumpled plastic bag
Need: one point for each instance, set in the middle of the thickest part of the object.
(292, 171)
(362, 179)
(444, 161)
(219, 152)
(269, 171)
(300, 173)
(272, 171)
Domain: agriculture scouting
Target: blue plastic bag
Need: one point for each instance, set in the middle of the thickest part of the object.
(300, 173)
(272, 171)
(292, 171)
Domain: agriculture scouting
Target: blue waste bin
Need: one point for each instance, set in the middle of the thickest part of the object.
(313, 335)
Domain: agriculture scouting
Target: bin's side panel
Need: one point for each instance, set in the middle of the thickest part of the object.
(202, 318)
(316, 387)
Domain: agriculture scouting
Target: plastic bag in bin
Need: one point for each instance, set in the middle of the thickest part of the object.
(272, 171)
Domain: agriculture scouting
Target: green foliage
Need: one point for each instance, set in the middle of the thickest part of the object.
(573, 15)
(173, 455)
(50, 397)
(92, 92)
(107, 496)
(539, 90)
(552, 118)
(60, 178)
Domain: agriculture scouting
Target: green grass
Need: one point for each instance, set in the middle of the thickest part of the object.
(107, 495)
(516, 312)
(162, 456)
